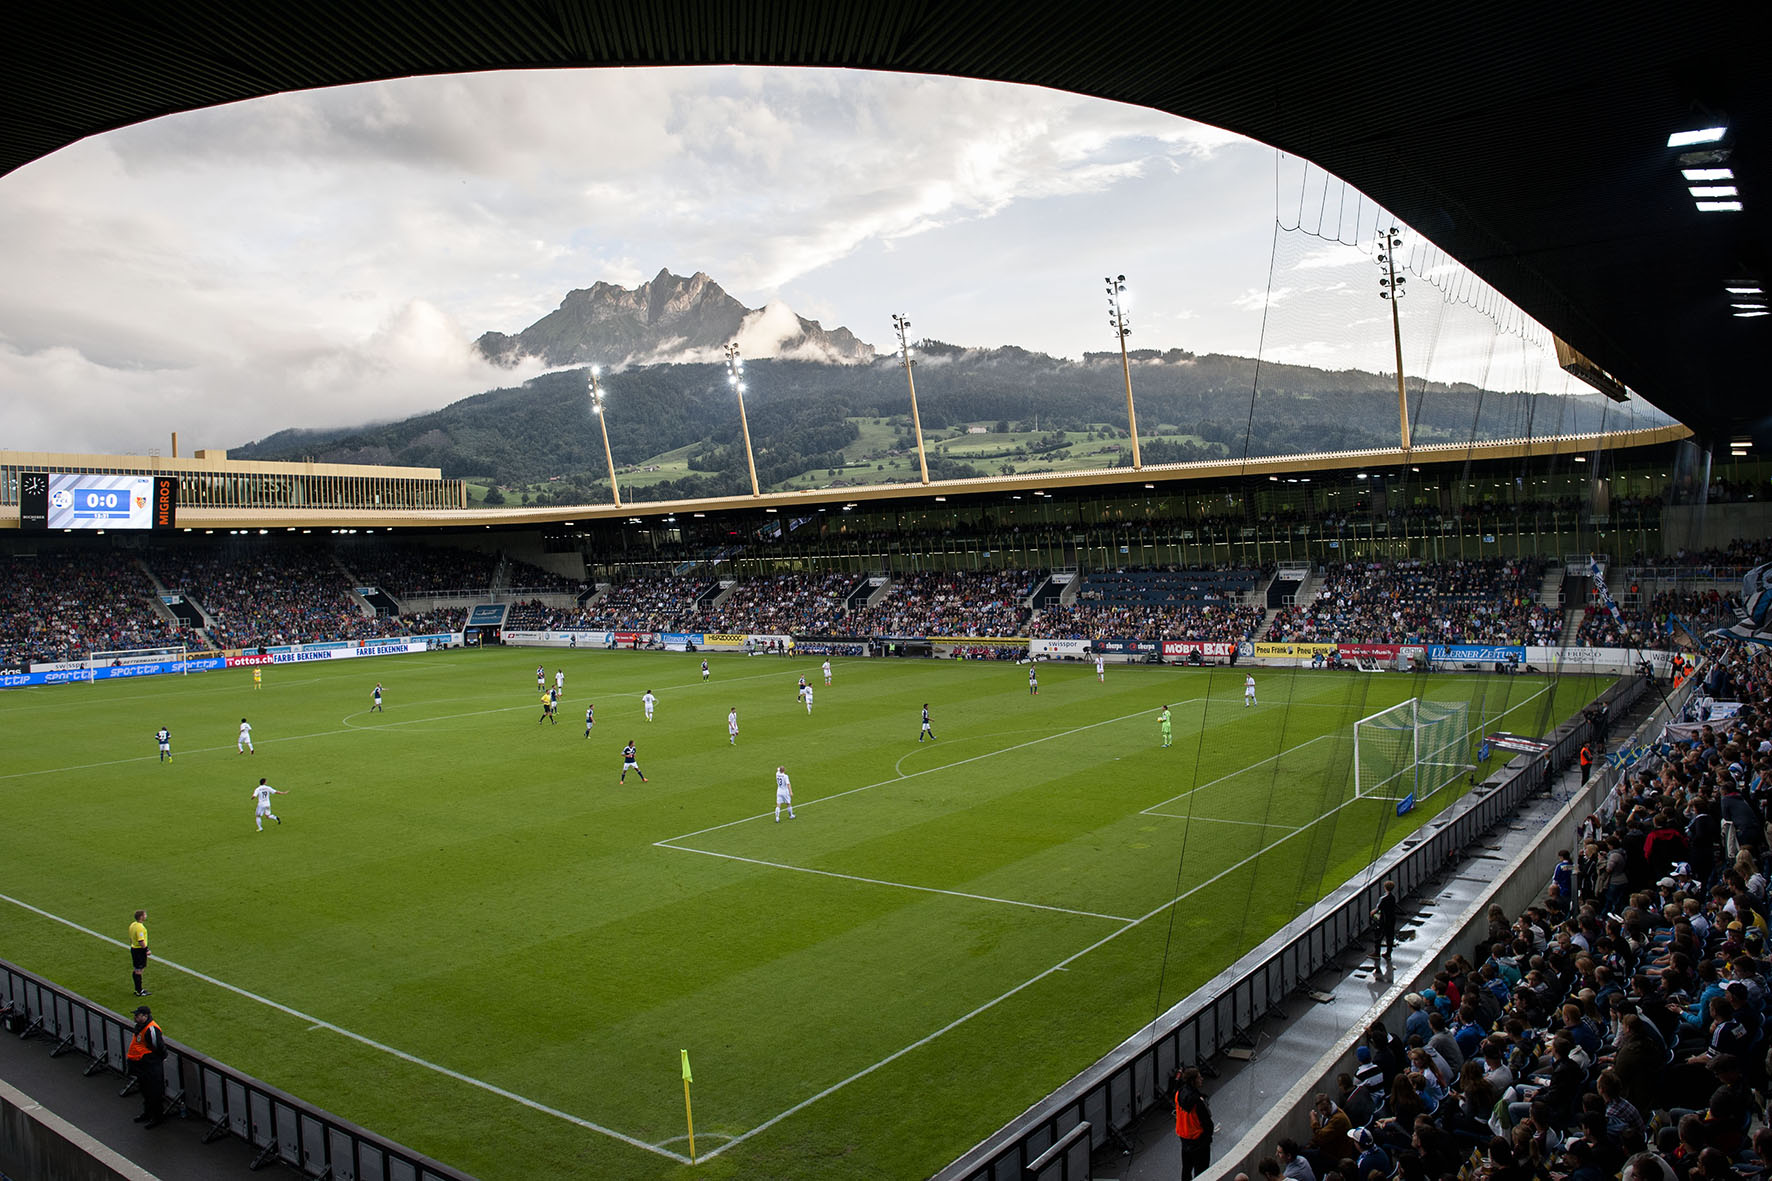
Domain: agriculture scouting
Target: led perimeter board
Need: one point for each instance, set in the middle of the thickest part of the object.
(64, 500)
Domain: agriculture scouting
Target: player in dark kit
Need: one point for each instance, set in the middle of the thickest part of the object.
(164, 737)
(630, 762)
(926, 732)
(590, 719)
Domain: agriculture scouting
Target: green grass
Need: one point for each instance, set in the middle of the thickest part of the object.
(945, 933)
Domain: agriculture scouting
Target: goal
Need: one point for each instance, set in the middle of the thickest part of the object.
(1416, 747)
(127, 656)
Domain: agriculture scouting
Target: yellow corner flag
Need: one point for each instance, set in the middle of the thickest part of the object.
(688, 1112)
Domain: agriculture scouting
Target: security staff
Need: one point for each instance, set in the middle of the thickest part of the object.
(147, 1055)
(1587, 761)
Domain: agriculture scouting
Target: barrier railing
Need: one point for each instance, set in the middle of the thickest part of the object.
(282, 1127)
(1117, 1090)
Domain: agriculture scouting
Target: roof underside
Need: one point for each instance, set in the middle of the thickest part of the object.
(1527, 141)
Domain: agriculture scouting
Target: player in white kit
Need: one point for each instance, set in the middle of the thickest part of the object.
(263, 793)
(784, 794)
(1248, 690)
(1101, 670)
(244, 746)
(559, 678)
(827, 672)
(649, 701)
(806, 695)
(732, 726)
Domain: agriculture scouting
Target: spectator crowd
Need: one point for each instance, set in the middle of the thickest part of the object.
(1490, 601)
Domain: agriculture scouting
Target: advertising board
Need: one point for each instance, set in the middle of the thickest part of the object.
(1216, 649)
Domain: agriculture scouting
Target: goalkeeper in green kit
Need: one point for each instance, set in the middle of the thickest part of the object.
(1163, 720)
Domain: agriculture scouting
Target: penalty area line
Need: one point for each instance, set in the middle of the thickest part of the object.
(850, 877)
(319, 1023)
(1061, 966)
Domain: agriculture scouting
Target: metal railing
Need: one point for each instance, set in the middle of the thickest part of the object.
(282, 1127)
(1121, 1087)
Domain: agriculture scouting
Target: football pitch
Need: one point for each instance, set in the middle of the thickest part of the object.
(467, 935)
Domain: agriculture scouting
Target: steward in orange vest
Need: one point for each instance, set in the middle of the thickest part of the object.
(147, 1051)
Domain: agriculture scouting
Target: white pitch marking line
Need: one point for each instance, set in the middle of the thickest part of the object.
(1152, 810)
(318, 1023)
(850, 877)
(1220, 820)
(666, 843)
(1058, 967)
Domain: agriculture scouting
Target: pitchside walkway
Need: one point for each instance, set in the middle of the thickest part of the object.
(173, 1151)
(1288, 1047)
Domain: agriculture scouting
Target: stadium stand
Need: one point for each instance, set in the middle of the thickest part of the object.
(1475, 602)
(783, 604)
(63, 606)
(408, 569)
(979, 603)
(1166, 604)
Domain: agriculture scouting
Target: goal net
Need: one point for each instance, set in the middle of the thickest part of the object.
(1417, 746)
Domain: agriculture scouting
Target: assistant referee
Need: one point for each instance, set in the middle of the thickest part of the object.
(138, 949)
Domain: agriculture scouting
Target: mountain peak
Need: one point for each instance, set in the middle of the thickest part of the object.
(668, 318)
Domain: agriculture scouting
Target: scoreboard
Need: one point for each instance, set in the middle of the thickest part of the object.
(64, 500)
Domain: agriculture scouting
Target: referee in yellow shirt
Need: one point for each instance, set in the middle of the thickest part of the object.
(138, 949)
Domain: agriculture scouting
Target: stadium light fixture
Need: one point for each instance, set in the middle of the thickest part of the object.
(1750, 315)
(1745, 289)
(1719, 206)
(1116, 292)
(1714, 190)
(1707, 174)
(603, 422)
(901, 324)
(1701, 135)
(735, 379)
(1390, 289)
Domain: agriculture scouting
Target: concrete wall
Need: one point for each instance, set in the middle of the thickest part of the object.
(37, 1144)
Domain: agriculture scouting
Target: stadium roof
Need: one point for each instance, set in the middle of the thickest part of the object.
(1166, 476)
(1527, 140)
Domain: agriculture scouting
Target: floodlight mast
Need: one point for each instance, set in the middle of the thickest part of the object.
(1390, 288)
(597, 409)
(735, 379)
(904, 358)
(1116, 287)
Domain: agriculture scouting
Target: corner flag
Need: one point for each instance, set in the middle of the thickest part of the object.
(688, 1112)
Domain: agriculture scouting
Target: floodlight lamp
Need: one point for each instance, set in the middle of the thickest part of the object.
(1119, 278)
(1718, 206)
(1714, 190)
(1708, 173)
(1745, 289)
(596, 370)
(1701, 135)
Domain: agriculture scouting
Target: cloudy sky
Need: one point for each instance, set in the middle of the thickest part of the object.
(325, 258)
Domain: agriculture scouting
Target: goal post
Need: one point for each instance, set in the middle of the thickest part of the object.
(1414, 747)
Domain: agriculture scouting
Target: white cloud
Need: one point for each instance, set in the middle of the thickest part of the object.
(1257, 298)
